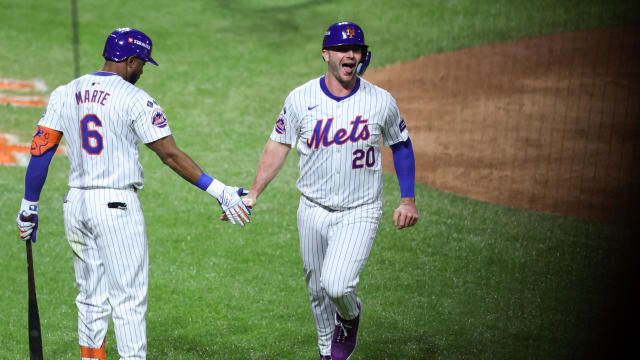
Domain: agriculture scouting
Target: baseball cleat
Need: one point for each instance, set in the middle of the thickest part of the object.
(345, 336)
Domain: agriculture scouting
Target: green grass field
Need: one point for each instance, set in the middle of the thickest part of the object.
(470, 281)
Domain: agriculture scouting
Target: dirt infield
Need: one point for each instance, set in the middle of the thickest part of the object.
(549, 124)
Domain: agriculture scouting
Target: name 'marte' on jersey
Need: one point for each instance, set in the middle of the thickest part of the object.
(338, 141)
(94, 96)
(103, 119)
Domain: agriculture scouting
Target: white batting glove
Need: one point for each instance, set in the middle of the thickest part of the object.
(230, 201)
(28, 228)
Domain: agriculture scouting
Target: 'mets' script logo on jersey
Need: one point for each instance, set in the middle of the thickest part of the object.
(320, 134)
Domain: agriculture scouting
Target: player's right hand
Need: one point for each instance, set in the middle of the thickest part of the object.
(27, 220)
(232, 206)
(249, 201)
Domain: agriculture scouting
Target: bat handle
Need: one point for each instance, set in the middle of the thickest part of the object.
(28, 218)
(31, 277)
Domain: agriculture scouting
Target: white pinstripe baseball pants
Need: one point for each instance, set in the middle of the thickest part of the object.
(334, 246)
(111, 266)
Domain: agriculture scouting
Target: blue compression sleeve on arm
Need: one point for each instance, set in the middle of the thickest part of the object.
(405, 164)
(36, 174)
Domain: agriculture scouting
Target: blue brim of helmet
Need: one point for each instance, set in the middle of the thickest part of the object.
(149, 59)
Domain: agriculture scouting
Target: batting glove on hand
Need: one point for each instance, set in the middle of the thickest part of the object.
(28, 220)
(230, 201)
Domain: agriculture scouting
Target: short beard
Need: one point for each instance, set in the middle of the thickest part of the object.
(133, 78)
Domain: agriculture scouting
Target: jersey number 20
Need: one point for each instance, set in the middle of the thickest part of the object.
(91, 138)
(359, 155)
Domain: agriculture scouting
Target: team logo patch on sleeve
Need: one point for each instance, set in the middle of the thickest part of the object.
(280, 128)
(44, 139)
(402, 125)
(158, 118)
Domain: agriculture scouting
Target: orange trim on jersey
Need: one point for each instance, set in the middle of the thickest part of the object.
(94, 353)
(44, 139)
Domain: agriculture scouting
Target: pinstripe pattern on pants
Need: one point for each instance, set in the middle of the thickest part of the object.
(111, 267)
(334, 246)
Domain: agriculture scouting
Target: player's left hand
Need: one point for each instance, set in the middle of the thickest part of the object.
(406, 214)
(28, 220)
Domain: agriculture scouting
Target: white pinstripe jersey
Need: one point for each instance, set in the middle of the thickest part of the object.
(338, 141)
(104, 118)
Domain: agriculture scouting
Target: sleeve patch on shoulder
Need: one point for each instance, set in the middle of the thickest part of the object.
(402, 126)
(158, 118)
(280, 127)
(44, 139)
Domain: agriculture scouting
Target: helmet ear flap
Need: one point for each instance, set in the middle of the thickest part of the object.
(362, 67)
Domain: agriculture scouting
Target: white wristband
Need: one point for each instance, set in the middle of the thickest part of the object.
(29, 205)
(216, 188)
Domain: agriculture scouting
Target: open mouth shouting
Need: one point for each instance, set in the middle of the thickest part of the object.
(348, 67)
(343, 63)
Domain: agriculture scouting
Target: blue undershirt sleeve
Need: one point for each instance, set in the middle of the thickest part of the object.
(405, 165)
(36, 174)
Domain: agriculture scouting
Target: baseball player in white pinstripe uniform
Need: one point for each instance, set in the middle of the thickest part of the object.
(336, 123)
(104, 117)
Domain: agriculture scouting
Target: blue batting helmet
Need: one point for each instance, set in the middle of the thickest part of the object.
(125, 42)
(348, 33)
(344, 33)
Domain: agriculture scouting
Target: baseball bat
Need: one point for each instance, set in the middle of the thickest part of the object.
(35, 335)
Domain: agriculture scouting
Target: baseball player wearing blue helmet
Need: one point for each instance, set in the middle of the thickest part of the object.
(125, 42)
(337, 123)
(344, 34)
(104, 117)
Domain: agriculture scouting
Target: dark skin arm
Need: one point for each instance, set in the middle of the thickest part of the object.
(176, 159)
(183, 165)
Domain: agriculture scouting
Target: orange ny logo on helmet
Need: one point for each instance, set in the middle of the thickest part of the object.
(351, 33)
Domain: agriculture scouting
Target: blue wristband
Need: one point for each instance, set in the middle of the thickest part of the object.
(204, 181)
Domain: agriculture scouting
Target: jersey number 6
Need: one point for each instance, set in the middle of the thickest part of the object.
(369, 158)
(91, 138)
